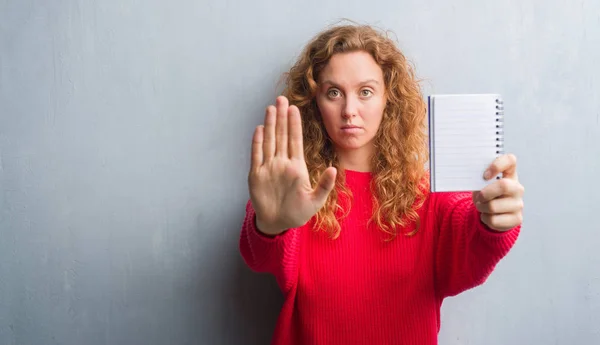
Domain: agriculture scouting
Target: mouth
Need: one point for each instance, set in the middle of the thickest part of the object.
(351, 129)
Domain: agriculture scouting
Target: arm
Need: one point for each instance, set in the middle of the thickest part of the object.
(467, 250)
(282, 197)
(277, 255)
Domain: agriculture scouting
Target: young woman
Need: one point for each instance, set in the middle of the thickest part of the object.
(340, 210)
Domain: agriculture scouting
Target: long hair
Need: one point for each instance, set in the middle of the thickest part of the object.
(398, 185)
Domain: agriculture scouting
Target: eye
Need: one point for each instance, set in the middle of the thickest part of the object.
(366, 92)
(333, 93)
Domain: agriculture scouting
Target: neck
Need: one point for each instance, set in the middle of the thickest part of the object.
(356, 159)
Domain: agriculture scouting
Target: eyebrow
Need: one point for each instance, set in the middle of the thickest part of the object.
(360, 83)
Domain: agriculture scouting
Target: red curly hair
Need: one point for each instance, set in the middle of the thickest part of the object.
(399, 183)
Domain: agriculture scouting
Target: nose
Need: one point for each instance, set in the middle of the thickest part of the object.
(350, 108)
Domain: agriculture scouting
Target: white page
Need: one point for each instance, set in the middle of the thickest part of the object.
(463, 140)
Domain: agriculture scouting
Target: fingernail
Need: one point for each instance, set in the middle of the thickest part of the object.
(487, 174)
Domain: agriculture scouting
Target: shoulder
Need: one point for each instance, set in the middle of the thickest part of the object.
(441, 200)
(440, 203)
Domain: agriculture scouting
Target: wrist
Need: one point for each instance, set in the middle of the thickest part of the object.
(267, 229)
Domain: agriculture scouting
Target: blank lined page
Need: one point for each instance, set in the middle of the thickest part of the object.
(463, 141)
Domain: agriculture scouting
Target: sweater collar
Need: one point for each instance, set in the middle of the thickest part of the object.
(357, 177)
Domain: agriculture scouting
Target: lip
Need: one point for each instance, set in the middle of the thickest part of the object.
(351, 129)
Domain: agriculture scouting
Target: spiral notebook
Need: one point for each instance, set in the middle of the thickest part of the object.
(466, 134)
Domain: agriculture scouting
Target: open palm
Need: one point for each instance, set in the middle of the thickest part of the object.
(278, 181)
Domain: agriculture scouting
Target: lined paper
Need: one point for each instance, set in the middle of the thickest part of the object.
(462, 140)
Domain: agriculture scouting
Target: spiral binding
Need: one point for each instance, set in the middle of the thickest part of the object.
(499, 128)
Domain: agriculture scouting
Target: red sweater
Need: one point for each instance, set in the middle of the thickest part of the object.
(360, 289)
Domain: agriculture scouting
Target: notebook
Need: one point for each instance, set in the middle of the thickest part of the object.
(466, 134)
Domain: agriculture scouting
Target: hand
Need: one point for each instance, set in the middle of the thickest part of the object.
(278, 181)
(501, 202)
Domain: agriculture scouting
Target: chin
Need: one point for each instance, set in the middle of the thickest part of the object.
(349, 145)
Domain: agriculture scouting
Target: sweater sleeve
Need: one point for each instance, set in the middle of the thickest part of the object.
(467, 250)
(277, 255)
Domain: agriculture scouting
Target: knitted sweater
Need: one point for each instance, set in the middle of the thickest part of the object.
(362, 289)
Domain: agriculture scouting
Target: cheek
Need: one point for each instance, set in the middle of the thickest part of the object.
(376, 113)
(329, 114)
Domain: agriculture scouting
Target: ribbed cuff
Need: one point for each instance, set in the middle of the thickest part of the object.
(489, 234)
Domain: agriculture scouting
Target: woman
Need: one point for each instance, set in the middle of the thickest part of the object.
(340, 210)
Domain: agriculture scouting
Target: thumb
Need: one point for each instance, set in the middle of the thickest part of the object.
(325, 185)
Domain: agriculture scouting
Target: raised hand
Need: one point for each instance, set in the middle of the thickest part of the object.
(501, 202)
(278, 181)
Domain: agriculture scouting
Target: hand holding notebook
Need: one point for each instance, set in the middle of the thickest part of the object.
(501, 202)
(466, 141)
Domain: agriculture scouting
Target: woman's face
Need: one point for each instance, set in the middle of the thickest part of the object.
(351, 99)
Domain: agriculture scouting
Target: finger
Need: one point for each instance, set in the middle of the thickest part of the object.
(295, 133)
(269, 134)
(257, 147)
(505, 164)
(502, 222)
(324, 187)
(501, 205)
(502, 187)
(281, 135)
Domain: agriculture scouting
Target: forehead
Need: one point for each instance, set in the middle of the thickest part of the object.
(351, 67)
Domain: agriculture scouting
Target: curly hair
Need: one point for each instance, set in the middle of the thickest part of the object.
(399, 184)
